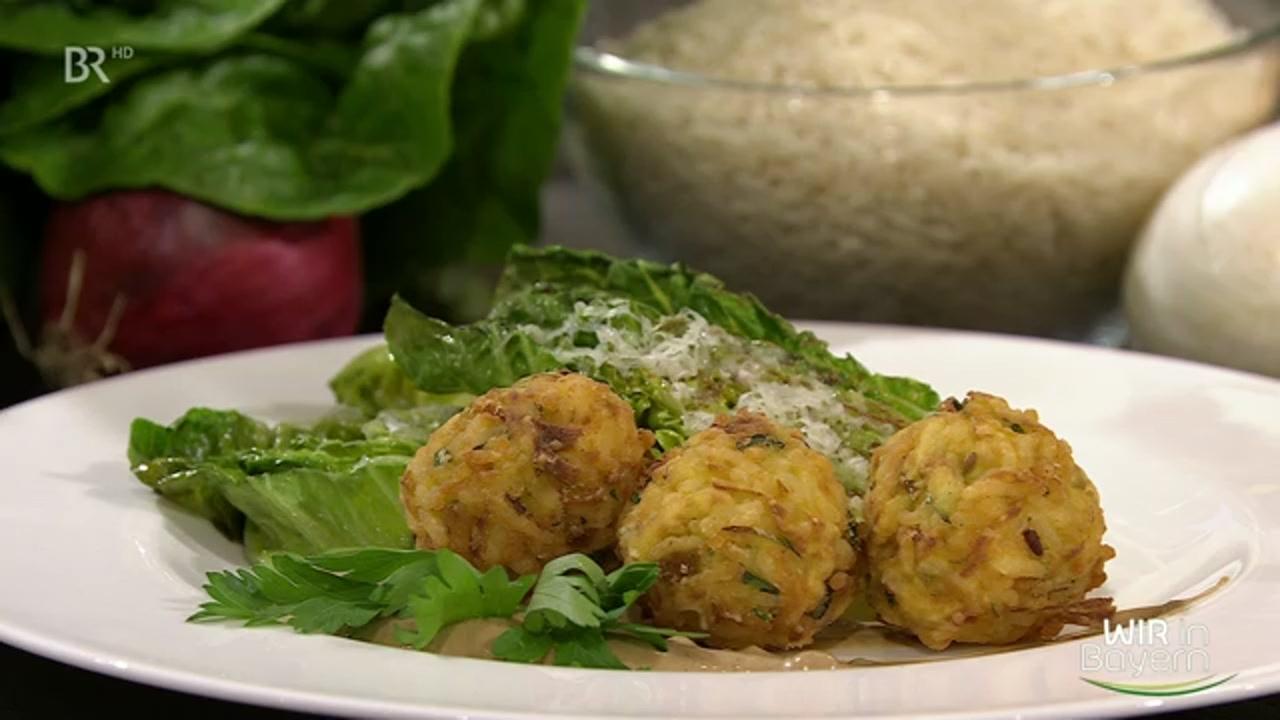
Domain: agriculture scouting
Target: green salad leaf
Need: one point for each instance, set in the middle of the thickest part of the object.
(502, 349)
(677, 345)
(671, 288)
(443, 358)
(168, 459)
(665, 288)
(311, 509)
(373, 382)
(332, 485)
(574, 606)
(49, 26)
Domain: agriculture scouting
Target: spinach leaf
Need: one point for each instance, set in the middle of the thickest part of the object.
(39, 92)
(49, 26)
(507, 108)
(263, 135)
(328, 17)
(330, 58)
(506, 119)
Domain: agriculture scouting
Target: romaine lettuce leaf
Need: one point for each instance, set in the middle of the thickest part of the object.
(444, 358)
(372, 382)
(671, 288)
(674, 343)
(414, 424)
(301, 489)
(665, 288)
(306, 510)
(508, 346)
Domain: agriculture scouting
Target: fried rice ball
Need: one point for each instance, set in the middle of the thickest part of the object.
(751, 531)
(527, 473)
(980, 528)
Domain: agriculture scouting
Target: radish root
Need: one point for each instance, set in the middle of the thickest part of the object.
(63, 357)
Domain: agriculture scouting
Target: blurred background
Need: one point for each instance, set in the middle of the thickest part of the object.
(179, 180)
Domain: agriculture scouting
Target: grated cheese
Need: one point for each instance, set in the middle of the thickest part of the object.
(709, 371)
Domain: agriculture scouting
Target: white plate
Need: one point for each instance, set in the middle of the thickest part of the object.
(96, 571)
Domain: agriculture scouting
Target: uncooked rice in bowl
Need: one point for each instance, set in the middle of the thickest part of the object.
(1009, 209)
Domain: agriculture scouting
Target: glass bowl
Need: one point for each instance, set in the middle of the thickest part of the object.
(1007, 206)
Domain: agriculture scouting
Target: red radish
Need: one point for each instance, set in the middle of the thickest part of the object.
(194, 280)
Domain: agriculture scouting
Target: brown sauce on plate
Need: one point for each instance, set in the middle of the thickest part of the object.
(843, 645)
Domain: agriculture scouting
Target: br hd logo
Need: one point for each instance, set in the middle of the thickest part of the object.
(81, 61)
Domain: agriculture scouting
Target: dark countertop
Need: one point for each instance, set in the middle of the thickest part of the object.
(33, 687)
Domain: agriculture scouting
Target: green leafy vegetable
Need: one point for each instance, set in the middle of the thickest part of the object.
(442, 358)
(541, 286)
(261, 135)
(310, 509)
(49, 26)
(506, 109)
(431, 119)
(584, 648)
(502, 349)
(342, 591)
(327, 17)
(40, 92)
(678, 346)
(573, 609)
(332, 485)
(671, 288)
(257, 131)
(666, 288)
(568, 593)
(520, 645)
(461, 592)
(373, 382)
(328, 58)
(284, 588)
(169, 460)
(414, 424)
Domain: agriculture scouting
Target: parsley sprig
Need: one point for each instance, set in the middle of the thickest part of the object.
(572, 610)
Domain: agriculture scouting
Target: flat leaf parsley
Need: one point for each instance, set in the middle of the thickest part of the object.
(574, 606)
